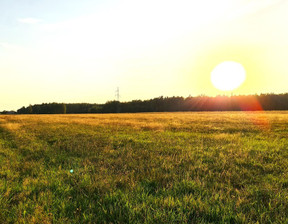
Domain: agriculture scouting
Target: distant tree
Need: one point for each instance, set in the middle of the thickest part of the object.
(21, 110)
(161, 104)
(30, 109)
(56, 108)
(111, 107)
(95, 109)
(64, 108)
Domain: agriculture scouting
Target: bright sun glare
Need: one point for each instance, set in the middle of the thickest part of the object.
(228, 75)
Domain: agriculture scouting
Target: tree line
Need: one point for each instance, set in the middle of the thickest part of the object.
(168, 104)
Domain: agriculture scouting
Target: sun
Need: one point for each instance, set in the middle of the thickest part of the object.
(228, 75)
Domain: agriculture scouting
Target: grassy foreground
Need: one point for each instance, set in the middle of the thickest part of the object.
(217, 167)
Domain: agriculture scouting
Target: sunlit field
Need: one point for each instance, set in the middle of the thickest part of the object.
(208, 167)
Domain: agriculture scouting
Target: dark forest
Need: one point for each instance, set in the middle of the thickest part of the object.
(167, 104)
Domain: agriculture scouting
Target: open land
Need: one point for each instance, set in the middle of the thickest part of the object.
(204, 167)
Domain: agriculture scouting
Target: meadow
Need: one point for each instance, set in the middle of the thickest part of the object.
(192, 167)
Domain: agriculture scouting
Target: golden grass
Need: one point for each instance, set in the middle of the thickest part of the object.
(153, 121)
(185, 167)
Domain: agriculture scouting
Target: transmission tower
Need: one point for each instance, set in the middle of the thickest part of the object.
(117, 95)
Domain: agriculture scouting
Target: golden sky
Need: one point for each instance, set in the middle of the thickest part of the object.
(81, 51)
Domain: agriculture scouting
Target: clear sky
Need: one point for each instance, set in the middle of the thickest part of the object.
(76, 51)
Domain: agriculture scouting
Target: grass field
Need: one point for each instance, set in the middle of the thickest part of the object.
(210, 167)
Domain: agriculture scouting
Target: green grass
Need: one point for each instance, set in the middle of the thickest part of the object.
(218, 167)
